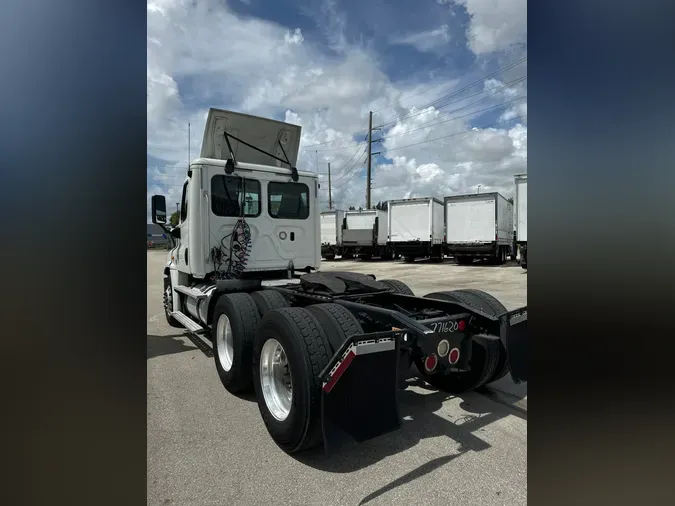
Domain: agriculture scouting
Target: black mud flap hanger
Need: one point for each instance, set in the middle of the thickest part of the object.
(513, 334)
(360, 387)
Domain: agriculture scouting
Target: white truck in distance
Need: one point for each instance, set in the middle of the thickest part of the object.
(319, 346)
(478, 226)
(416, 228)
(331, 233)
(520, 210)
(364, 233)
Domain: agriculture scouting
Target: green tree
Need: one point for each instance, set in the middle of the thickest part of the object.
(174, 219)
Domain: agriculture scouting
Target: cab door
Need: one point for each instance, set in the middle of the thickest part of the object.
(288, 206)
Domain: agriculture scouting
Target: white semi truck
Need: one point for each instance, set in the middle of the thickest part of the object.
(416, 228)
(520, 218)
(478, 226)
(331, 233)
(315, 347)
(364, 234)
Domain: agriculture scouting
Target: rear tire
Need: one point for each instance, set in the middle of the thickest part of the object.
(307, 352)
(232, 348)
(397, 286)
(266, 300)
(337, 322)
(488, 304)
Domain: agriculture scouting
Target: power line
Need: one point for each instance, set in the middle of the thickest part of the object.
(356, 153)
(455, 93)
(422, 127)
(441, 84)
(458, 133)
(494, 90)
(353, 173)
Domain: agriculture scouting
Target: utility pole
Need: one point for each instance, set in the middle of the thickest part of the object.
(330, 196)
(369, 176)
(370, 155)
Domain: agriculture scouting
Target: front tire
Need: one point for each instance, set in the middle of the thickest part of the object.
(290, 346)
(235, 321)
(167, 299)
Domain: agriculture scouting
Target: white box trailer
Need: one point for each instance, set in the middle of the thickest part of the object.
(364, 233)
(416, 228)
(520, 218)
(331, 233)
(478, 226)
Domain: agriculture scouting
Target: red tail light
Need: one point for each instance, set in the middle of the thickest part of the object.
(461, 325)
(430, 363)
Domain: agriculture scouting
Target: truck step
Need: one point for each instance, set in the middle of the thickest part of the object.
(190, 292)
(187, 322)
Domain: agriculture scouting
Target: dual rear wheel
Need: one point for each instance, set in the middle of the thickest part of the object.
(280, 351)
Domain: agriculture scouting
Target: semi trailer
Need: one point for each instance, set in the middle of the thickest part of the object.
(520, 208)
(318, 349)
(416, 228)
(364, 234)
(331, 233)
(478, 226)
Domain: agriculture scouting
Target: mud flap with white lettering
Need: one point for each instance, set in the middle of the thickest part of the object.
(360, 387)
(514, 338)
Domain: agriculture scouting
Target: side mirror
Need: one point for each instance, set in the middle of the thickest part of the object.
(175, 233)
(158, 209)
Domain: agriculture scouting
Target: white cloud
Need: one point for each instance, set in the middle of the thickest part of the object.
(203, 53)
(294, 37)
(428, 41)
(496, 25)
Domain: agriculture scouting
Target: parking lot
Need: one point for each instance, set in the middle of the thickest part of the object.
(208, 447)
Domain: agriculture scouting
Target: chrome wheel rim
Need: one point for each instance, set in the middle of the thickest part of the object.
(224, 342)
(168, 302)
(275, 379)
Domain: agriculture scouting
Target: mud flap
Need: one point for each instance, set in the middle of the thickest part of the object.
(360, 387)
(514, 339)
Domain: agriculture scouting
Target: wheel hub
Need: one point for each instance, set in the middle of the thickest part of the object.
(168, 303)
(275, 379)
(224, 342)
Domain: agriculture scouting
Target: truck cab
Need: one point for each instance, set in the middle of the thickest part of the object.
(244, 208)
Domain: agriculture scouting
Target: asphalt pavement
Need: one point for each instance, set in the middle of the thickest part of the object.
(207, 447)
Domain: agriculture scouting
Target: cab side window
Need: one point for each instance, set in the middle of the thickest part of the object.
(184, 203)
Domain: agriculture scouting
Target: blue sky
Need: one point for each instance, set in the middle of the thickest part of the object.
(324, 64)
